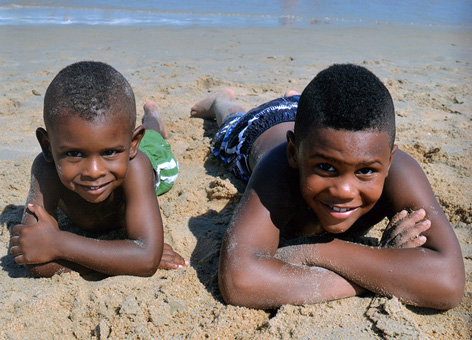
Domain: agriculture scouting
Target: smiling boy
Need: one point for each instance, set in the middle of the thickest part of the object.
(91, 168)
(324, 165)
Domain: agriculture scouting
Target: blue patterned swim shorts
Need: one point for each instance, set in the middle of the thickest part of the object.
(233, 141)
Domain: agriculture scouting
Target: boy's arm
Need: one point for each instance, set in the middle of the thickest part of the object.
(139, 255)
(44, 191)
(430, 276)
(250, 275)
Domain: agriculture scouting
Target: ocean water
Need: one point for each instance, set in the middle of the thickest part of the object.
(242, 13)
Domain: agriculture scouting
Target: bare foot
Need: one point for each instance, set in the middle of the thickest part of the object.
(290, 93)
(153, 120)
(206, 108)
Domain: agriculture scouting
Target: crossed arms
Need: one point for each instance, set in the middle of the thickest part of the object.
(426, 271)
(46, 250)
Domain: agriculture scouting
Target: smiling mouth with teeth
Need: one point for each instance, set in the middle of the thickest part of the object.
(340, 209)
(96, 187)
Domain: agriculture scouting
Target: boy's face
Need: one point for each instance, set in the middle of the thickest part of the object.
(91, 157)
(342, 173)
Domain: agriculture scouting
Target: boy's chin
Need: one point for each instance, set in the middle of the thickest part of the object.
(93, 197)
(336, 226)
(337, 229)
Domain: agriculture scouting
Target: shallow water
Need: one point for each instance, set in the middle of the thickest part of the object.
(244, 13)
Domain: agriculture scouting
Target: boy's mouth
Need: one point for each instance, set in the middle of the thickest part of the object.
(337, 209)
(94, 189)
(340, 213)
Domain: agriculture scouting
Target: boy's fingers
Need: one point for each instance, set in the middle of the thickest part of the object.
(415, 242)
(418, 215)
(14, 241)
(39, 211)
(407, 234)
(398, 217)
(393, 229)
(424, 225)
(16, 229)
(20, 259)
(407, 222)
(415, 232)
(412, 237)
(15, 250)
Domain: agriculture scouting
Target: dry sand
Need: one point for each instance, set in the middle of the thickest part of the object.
(428, 71)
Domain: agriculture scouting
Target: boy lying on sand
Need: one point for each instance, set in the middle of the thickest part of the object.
(90, 167)
(323, 165)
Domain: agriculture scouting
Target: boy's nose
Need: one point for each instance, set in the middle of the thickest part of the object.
(94, 168)
(345, 188)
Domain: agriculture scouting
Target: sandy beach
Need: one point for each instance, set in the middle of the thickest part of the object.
(429, 73)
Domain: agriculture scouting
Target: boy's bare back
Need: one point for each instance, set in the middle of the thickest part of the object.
(339, 172)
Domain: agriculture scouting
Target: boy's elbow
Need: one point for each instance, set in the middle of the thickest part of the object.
(446, 292)
(234, 292)
(452, 282)
(237, 289)
(147, 272)
(452, 289)
(148, 267)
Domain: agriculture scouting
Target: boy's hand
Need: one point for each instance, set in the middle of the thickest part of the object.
(404, 230)
(171, 260)
(34, 243)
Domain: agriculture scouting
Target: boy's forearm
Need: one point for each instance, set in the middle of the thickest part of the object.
(267, 282)
(418, 276)
(56, 267)
(113, 257)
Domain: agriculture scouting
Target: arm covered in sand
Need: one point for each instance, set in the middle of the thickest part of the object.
(251, 276)
(46, 250)
(431, 275)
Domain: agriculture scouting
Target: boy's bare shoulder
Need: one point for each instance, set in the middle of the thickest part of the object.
(44, 174)
(140, 171)
(274, 175)
(277, 186)
(406, 186)
(41, 166)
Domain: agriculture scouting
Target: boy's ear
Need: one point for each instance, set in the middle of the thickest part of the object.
(291, 150)
(43, 139)
(138, 134)
(392, 154)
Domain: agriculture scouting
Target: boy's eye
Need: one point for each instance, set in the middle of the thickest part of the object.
(326, 167)
(110, 153)
(366, 171)
(73, 154)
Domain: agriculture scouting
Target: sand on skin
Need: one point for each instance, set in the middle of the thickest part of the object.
(428, 71)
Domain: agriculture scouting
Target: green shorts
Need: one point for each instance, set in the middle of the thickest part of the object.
(162, 160)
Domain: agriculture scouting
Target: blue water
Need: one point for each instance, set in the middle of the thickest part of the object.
(242, 13)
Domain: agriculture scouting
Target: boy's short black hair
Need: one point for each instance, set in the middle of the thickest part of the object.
(88, 89)
(345, 97)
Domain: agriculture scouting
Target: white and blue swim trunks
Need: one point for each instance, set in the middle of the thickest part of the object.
(233, 141)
